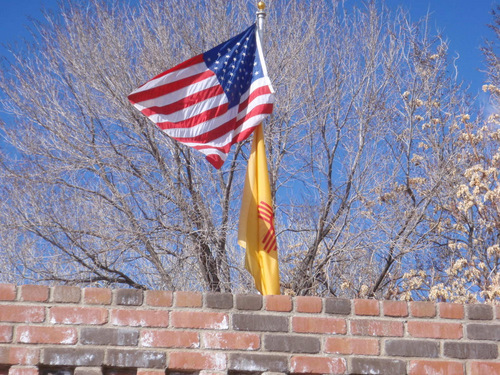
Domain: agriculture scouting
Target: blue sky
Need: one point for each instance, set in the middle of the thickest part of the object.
(462, 22)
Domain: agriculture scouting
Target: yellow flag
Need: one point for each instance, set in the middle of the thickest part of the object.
(256, 230)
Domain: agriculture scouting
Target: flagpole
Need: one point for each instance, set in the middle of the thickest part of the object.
(256, 231)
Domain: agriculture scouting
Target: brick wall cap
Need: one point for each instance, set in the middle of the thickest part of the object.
(66, 294)
(308, 304)
(248, 302)
(367, 307)
(479, 312)
(34, 293)
(280, 303)
(188, 299)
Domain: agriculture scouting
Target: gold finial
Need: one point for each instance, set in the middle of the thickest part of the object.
(261, 5)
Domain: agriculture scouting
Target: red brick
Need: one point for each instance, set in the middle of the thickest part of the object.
(139, 318)
(4, 355)
(425, 367)
(66, 294)
(366, 307)
(188, 299)
(197, 361)
(7, 292)
(22, 314)
(34, 293)
(352, 345)
(317, 365)
(5, 333)
(304, 324)
(24, 355)
(78, 315)
(170, 339)
(159, 298)
(451, 310)
(19, 355)
(435, 330)
(278, 303)
(376, 328)
(144, 371)
(308, 304)
(97, 296)
(395, 308)
(231, 341)
(423, 309)
(46, 335)
(485, 368)
(199, 320)
(21, 370)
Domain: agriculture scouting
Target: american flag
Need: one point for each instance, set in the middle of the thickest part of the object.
(212, 100)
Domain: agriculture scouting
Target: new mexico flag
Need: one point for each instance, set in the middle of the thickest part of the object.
(256, 229)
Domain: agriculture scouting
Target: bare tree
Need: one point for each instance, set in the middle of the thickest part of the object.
(466, 244)
(490, 51)
(380, 134)
(360, 145)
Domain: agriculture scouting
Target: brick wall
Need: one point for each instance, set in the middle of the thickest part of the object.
(67, 330)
